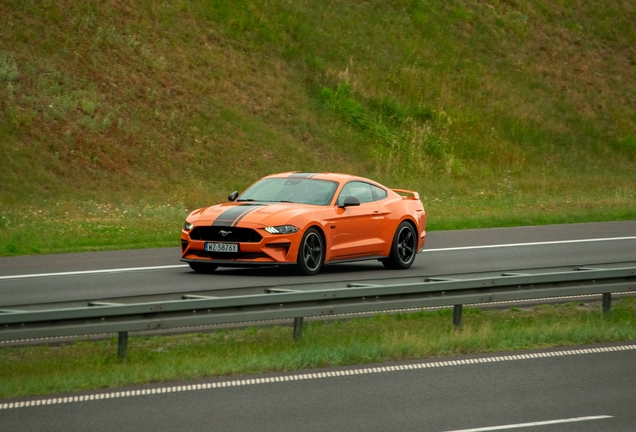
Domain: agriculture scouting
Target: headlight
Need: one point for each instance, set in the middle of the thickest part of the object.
(187, 226)
(282, 229)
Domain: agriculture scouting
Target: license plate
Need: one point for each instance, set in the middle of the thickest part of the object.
(221, 247)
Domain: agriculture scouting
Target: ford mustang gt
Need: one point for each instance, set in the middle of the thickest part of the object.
(306, 220)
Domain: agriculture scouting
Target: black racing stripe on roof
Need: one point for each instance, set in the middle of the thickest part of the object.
(234, 214)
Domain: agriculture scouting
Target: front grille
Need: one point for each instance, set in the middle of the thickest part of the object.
(238, 235)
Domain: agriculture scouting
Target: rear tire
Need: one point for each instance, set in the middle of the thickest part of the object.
(203, 267)
(311, 253)
(403, 248)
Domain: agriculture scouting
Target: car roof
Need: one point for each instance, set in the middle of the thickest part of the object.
(338, 177)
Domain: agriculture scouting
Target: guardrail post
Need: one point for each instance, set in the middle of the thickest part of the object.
(457, 317)
(298, 327)
(607, 302)
(122, 345)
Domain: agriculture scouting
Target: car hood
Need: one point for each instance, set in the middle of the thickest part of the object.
(252, 213)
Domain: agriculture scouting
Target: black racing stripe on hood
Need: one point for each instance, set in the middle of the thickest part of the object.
(238, 219)
(231, 216)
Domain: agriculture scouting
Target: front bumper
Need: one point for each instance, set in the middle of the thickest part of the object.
(271, 249)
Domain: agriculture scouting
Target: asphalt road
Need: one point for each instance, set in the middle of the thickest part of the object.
(83, 277)
(589, 390)
(574, 389)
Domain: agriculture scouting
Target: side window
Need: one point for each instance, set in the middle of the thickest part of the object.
(360, 190)
(378, 193)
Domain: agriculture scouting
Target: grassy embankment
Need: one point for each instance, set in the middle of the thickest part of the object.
(91, 365)
(117, 117)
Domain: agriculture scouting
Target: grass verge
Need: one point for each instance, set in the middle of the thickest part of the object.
(83, 226)
(84, 365)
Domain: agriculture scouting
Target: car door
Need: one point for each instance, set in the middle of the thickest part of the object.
(356, 230)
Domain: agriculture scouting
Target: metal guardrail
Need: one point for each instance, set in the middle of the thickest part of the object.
(285, 304)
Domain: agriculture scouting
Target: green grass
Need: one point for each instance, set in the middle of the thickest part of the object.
(498, 113)
(83, 365)
(92, 226)
(89, 226)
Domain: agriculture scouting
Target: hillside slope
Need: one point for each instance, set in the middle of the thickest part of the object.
(482, 107)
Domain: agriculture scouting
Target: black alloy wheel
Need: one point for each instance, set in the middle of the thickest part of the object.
(403, 249)
(311, 253)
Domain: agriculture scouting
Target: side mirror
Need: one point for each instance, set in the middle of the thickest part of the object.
(233, 196)
(350, 201)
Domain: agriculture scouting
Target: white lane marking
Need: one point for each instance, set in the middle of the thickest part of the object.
(530, 244)
(539, 423)
(301, 376)
(120, 270)
(71, 273)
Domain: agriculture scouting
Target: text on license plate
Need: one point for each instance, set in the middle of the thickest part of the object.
(221, 247)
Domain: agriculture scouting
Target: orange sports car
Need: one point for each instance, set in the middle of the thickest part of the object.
(307, 220)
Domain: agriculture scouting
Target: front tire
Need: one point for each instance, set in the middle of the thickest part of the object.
(403, 248)
(203, 267)
(311, 253)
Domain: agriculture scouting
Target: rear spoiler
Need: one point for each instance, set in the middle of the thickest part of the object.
(407, 194)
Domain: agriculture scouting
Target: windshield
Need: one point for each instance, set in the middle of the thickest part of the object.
(296, 190)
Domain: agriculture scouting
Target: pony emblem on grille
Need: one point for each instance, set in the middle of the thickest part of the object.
(225, 233)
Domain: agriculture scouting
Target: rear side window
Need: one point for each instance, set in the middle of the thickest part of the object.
(378, 193)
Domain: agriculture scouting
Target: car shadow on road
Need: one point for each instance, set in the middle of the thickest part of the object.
(289, 271)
